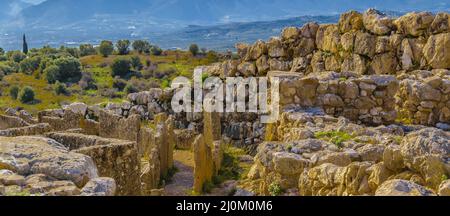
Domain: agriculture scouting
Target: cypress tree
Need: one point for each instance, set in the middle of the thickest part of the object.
(25, 45)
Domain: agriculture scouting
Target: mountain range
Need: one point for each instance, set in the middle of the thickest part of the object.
(175, 23)
(63, 12)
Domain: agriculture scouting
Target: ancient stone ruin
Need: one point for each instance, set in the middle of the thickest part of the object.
(364, 110)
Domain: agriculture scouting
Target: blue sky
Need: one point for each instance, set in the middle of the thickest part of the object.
(33, 1)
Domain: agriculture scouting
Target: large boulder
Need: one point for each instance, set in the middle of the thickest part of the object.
(444, 188)
(33, 155)
(436, 50)
(365, 44)
(256, 50)
(328, 38)
(275, 48)
(100, 187)
(398, 187)
(427, 151)
(247, 69)
(289, 163)
(350, 21)
(377, 22)
(414, 24)
(441, 23)
(393, 158)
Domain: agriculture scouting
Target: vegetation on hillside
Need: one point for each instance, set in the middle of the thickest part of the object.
(50, 77)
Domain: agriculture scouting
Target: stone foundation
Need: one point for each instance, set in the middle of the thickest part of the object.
(114, 158)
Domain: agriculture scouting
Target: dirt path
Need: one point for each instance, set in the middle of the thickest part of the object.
(183, 180)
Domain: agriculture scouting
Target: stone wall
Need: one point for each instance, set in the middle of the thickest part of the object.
(61, 120)
(35, 129)
(368, 99)
(368, 43)
(316, 154)
(113, 158)
(424, 98)
(119, 127)
(208, 151)
(7, 122)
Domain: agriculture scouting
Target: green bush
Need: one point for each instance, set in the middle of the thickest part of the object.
(119, 84)
(16, 56)
(123, 47)
(336, 137)
(26, 95)
(141, 46)
(106, 48)
(29, 65)
(136, 63)
(275, 189)
(155, 50)
(61, 88)
(87, 49)
(66, 70)
(121, 67)
(130, 89)
(193, 48)
(6, 69)
(14, 92)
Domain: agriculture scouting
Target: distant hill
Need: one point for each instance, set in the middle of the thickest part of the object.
(58, 12)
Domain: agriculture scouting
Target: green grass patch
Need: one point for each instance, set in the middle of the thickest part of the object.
(335, 137)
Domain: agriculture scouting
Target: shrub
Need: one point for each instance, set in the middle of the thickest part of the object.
(155, 50)
(275, 189)
(2, 51)
(14, 92)
(16, 56)
(66, 69)
(29, 65)
(130, 89)
(87, 49)
(121, 67)
(336, 137)
(87, 82)
(71, 51)
(1, 75)
(106, 48)
(136, 63)
(6, 69)
(26, 95)
(123, 46)
(61, 88)
(194, 49)
(119, 84)
(141, 46)
(52, 74)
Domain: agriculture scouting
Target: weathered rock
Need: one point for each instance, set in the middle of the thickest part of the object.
(379, 174)
(436, 50)
(414, 24)
(426, 151)
(377, 22)
(392, 158)
(275, 48)
(365, 44)
(402, 188)
(328, 38)
(78, 108)
(441, 23)
(99, 187)
(444, 188)
(350, 21)
(247, 69)
(385, 63)
(32, 155)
